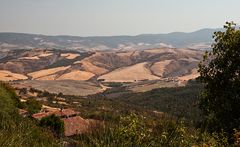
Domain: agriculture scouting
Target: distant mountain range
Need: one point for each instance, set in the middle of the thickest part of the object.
(200, 39)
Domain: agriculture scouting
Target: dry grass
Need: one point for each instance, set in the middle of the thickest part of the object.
(160, 50)
(89, 67)
(29, 58)
(45, 54)
(133, 73)
(88, 64)
(9, 76)
(48, 77)
(67, 87)
(76, 75)
(46, 72)
(127, 53)
(194, 74)
(70, 55)
(158, 68)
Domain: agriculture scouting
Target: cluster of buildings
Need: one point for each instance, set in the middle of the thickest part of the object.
(73, 123)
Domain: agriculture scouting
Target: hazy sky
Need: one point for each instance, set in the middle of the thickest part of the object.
(114, 17)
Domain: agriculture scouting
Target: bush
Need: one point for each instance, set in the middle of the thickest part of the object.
(134, 130)
(220, 71)
(33, 106)
(55, 124)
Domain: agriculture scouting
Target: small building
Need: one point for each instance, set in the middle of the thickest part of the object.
(41, 115)
(78, 125)
(63, 113)
(73, 124)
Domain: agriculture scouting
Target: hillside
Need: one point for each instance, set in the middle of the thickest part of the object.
(18, 131)
(97, 68)
(123, 118)
(40, 64)
(200, 39)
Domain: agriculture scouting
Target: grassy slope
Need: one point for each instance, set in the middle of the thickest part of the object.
(130, 121)
(15, 130)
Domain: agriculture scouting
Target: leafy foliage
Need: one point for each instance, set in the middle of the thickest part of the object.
(33, 106)
(134, 130)
(220, 71)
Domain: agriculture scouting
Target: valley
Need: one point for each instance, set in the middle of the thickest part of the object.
(129, 73)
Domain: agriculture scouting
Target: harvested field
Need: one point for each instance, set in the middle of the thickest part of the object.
(133, 73)
(76, 75)
(70, 55)
(194, 74)
(158, 68)
(30, 58)
(45, 54)
(89, 67)
(46, 72)
(161, 50)
(9, 76)
(67, 87)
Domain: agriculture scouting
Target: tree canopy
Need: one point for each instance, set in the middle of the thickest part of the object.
(220, 72)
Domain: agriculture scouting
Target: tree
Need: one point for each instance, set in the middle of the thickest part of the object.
(33, 106)
(220, 72)
(60, 94)
(54, 123)
(23, 91)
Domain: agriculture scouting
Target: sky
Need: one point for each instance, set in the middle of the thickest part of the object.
(114, 17)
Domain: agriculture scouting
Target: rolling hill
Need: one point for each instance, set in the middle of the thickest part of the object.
(109, 66)
(92, 72)
(200, 39)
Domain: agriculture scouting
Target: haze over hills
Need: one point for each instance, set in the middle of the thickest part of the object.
(145, 61)
(200, 39)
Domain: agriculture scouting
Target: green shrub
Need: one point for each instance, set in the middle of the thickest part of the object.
(16, 130)
(55, 124)
(33, 106)
(134, 130)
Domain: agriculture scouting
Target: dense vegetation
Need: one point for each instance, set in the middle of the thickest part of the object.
(126, 123)
(179, 101)
(54, 123)
(33, 106)
(16, 130)
(134, 130)
(220, 71)
(143, 119)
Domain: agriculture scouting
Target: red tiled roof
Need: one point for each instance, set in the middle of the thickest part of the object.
(60, 113)
(65, 112)
(41, 115)
(72, 124)
(22, 111)
(76, 125)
